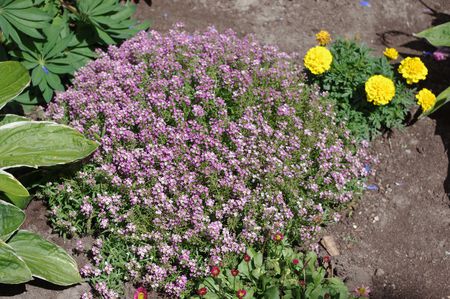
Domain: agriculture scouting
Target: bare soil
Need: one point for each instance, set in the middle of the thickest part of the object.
(397, 239)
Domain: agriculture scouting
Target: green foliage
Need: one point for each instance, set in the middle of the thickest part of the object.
(24, 254)
(438, 36)
(31, 143)
(279, 272)
(54, 38)
(352, 65)
(15, 83)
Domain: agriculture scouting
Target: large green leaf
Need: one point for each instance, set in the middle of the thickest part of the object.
(11, 118)
(34, 144)
(11, 218)
(13, 269)
(438, 36)
(13, 80)
(14, 190)
(442, 99)
(46, 260)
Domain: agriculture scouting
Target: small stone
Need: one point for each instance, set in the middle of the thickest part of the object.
(408, 151)
(379, 272)
(375, 219)
(330, 245)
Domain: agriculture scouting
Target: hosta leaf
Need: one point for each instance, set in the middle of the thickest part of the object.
(10, 118)
(13, 269)
(11, 218)
(33, 144)
(13, 189)
(13, 81)
(438, 36)
(46, 260)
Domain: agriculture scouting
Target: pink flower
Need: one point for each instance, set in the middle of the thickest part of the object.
(141, 293)
(440, 55)
(215, 271)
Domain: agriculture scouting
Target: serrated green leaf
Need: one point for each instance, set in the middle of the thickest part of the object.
(46, 260)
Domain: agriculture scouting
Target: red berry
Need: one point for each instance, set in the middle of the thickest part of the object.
(278, 237)
(247, 258)
(326, 259)
(241, 293)
(295, 261)
(202, 291)
(215, 271)
(235, 272)
(301, 282)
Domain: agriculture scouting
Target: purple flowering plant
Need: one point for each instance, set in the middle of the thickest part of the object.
(209, 144)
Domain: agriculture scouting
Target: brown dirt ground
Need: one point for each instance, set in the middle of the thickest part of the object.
(397, 239)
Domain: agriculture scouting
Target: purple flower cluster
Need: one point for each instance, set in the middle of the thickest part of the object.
(209, 143)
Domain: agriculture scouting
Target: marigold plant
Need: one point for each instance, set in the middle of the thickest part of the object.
(413, 70)
(368, 94)
(318, 60)
(391, 53)
(380, 90)
(425, 99)
(209, 144)
(323, 37)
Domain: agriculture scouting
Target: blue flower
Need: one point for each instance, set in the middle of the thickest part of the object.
(364, 3)
(45, 69)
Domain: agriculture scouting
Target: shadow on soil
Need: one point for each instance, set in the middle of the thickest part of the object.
(10, 290)
(442, 118)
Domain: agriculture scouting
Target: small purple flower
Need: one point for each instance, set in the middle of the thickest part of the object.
(440, 55)
(44, 68)
(372, 187)
(364, 3)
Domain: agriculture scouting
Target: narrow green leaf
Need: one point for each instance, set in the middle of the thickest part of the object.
(46, 260)
(13, 81)
(32, 14)
(19, 4)
(11, 218)
(37, 75)
(33, 144)
(13, 269)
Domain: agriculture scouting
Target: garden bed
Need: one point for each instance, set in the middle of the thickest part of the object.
(397, 240)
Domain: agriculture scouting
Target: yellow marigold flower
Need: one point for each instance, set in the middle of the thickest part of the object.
(318, 60)
(323, 37)
(379, 90)
(391, 53)
(413, 70)
(426, 99)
